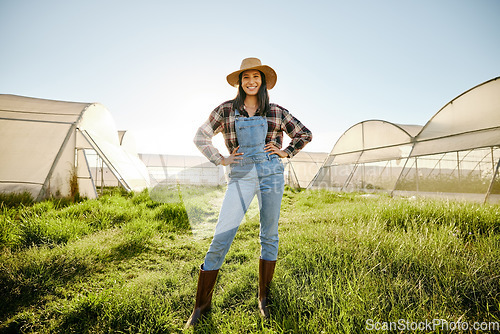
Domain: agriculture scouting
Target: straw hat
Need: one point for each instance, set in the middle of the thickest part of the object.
(253, 64)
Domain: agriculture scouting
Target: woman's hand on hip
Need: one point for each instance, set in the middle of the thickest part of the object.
(271, 149)
(232, 159)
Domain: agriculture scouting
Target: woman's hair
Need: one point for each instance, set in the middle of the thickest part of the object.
(262, 96)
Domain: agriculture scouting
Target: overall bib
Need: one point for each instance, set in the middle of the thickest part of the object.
(258, 173)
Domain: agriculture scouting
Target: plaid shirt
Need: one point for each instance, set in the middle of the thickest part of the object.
(222, 119)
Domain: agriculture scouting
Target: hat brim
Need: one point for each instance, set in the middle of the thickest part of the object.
(270, 74)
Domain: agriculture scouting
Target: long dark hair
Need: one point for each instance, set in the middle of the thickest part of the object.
(262, 96)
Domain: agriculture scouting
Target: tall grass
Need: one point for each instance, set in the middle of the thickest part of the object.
(127, 264)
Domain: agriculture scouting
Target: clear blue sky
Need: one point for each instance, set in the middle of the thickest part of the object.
(160, 66)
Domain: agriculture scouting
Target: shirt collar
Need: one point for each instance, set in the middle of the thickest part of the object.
(245, 113)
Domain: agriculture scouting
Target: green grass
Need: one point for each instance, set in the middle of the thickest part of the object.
(127, 264)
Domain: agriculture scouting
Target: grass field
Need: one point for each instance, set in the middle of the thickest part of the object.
(348, 263)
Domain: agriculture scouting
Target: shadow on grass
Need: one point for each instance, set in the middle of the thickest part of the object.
(29, 284)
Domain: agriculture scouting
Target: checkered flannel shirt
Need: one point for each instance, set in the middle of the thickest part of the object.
(222, 119)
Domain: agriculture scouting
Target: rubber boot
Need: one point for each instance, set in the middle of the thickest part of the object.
(266, 272)
(203, 303)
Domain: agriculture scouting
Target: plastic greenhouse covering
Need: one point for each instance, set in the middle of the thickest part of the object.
(455, 155)
(55, 148)
(301, 169)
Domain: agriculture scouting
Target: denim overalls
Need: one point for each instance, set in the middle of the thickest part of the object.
(258, 173)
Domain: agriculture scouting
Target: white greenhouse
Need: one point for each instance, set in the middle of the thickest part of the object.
(183, 169)
(455, 155)
(301, 169)
(54, 148)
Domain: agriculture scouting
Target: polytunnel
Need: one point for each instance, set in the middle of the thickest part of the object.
(455, 155)
(182, 169)
(302, 168)
(50, 148)
(368, 156)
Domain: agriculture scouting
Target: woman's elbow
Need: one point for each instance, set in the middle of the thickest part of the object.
(308, 136)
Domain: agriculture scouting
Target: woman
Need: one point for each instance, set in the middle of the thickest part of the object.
(253, 132)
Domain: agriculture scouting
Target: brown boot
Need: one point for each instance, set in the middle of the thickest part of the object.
(266, 272)
(203, 303)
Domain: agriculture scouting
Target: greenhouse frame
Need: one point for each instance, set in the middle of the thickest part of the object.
(455, 155)
(302, 168)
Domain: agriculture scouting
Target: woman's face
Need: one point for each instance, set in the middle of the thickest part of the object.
(251, 82)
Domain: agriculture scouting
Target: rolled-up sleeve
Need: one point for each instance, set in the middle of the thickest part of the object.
(205, 133)
(299, 134)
